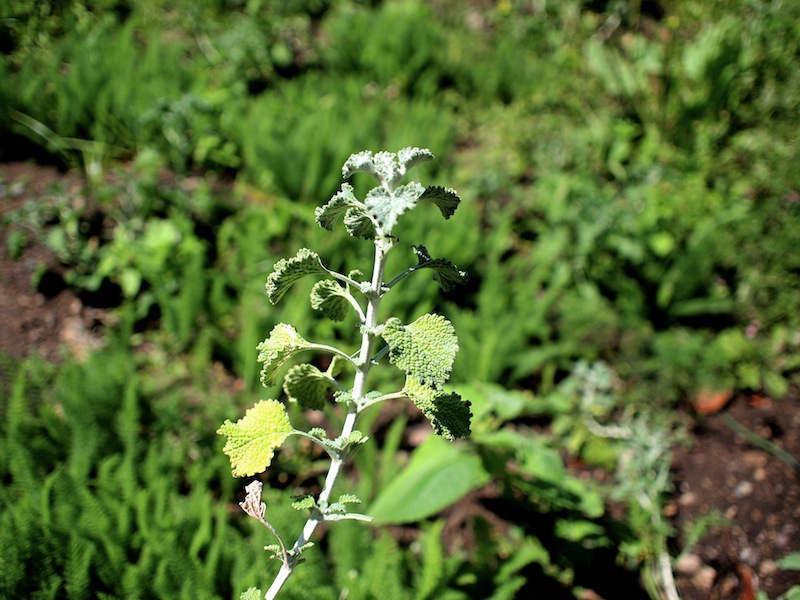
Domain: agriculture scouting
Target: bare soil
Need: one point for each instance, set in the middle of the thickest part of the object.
(756, 492)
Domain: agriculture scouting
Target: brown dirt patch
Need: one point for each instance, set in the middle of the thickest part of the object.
(756, 492)
(37, 317)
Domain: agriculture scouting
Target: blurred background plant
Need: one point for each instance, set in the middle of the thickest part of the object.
(629, 228)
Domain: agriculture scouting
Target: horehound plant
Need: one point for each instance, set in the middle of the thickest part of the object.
(424, 349)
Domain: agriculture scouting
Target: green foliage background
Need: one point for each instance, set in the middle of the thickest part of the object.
(630, 199)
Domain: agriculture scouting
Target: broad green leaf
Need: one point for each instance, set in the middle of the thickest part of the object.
(307, 385)
(330, 298)
(439, 474)
(445, 198)
(344, 205)
(790, 562)
(449, 415)
(445, 273)
(289, 270)
(283, 343)
(425, 349)
(793, 593)
(544, 468)
(253, 439)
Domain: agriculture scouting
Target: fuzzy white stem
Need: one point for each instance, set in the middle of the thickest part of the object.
(382, 247)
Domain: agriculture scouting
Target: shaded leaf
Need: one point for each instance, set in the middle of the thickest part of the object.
(445, 198)
(329, 297)
(283, 343)
(446, 273)
(449, 415)
(307, 385)
(438, 475)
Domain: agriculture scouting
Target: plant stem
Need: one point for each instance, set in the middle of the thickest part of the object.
(382, 247)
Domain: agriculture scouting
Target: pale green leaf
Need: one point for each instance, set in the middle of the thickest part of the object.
(386, 207)
(438, 475)
(283, 343)
(449, 415)
(361, 161)
(445, 198)
(253, 439)
(425, 349)
(288, 270)
(307, 385)
(408, 157)
(386, 167)
(445, 273)
(328, 297)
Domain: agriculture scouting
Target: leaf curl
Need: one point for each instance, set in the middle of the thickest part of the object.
(446, 199)
(283, 343)
(330, 298)
(288, 270)
(307, 385)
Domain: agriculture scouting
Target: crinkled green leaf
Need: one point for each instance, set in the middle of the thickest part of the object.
(289, 270)
(283, 343)
(446, 273)
(330, 298)
(386, 207)
(425, 349)
(344, 205)
(253, 439)
(307, 385)
(448, 413)
(445, 198)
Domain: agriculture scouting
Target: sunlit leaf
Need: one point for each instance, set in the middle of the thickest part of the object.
(253, 439)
